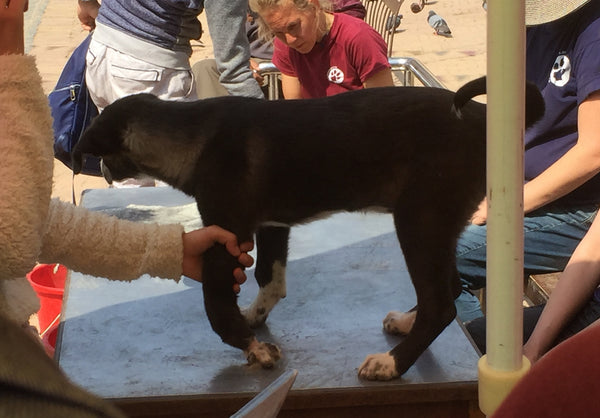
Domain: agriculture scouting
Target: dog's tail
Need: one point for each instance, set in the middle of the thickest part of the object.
(472, 89)
(534, 102)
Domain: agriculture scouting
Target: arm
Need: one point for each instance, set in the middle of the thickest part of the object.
(31, 224)
(87, 12)
(368, 53)
(291, 87)
(11, 27)
(102, 245)
(226, 23)
(574, 289)
(575, 167)
(54, 231)
(26, 169)
(382, 78)
(34, 228)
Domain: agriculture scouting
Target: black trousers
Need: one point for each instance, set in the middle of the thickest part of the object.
(589, 314)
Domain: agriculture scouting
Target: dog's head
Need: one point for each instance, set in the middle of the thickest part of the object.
(109, 137)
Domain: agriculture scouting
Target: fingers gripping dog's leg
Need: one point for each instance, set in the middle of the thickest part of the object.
(222, 310)
(272, 249)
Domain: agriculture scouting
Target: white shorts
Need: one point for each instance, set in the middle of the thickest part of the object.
(111, 75)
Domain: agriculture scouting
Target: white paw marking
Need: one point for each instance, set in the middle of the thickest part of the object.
(256, 314)
(264, 354)
(399, 323)
(381, 366)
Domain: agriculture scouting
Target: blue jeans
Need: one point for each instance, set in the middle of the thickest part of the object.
(550, 237)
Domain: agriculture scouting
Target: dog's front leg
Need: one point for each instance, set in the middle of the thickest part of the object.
(220, 302)
(272, 250)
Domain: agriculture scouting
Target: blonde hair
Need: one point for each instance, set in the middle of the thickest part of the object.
(260, 6)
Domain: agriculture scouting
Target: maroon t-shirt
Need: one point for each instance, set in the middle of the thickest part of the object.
(348, 55)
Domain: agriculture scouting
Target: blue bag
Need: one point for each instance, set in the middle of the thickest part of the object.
(72, 110)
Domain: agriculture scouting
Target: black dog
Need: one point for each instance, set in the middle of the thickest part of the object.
(257, 166)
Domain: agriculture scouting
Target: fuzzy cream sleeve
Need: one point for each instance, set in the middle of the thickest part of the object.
(27, 164)
(33, 228)
(102, 245)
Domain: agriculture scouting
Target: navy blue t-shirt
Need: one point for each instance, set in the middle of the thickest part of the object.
(563, 60)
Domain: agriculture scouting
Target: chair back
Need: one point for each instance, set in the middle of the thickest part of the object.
(382, 15)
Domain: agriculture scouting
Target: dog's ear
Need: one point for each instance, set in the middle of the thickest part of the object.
(104, 136)
(99, 139)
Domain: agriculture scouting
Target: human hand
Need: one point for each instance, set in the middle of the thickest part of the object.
(195, 243)
(255, 73)
(12, 40)
(87, 12)
(480, 215)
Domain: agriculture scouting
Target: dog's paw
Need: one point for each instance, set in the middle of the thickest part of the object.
(399, 323)
(265, 354)
(381, 366)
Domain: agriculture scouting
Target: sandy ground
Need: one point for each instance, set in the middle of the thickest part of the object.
(452, 60)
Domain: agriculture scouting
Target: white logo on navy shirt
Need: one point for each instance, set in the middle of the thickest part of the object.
(335, 75)
(561, 71)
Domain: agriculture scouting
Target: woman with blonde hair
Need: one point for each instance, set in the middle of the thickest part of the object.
(319, 52)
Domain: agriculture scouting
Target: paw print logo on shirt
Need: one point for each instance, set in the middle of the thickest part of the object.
(561, 71)
(335, 75)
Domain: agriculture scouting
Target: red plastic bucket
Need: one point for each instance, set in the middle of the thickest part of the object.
(49, 339)
(48, 281)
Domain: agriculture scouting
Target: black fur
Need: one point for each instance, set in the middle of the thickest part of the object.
(416, 152)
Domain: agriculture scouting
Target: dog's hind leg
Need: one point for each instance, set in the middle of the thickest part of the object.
(272, 251)
(400, 323)
(428, 244)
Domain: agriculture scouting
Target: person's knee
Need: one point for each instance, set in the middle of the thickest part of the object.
(468, 307)
(471, 256)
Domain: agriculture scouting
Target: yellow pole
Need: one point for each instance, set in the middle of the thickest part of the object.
(504, 363)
